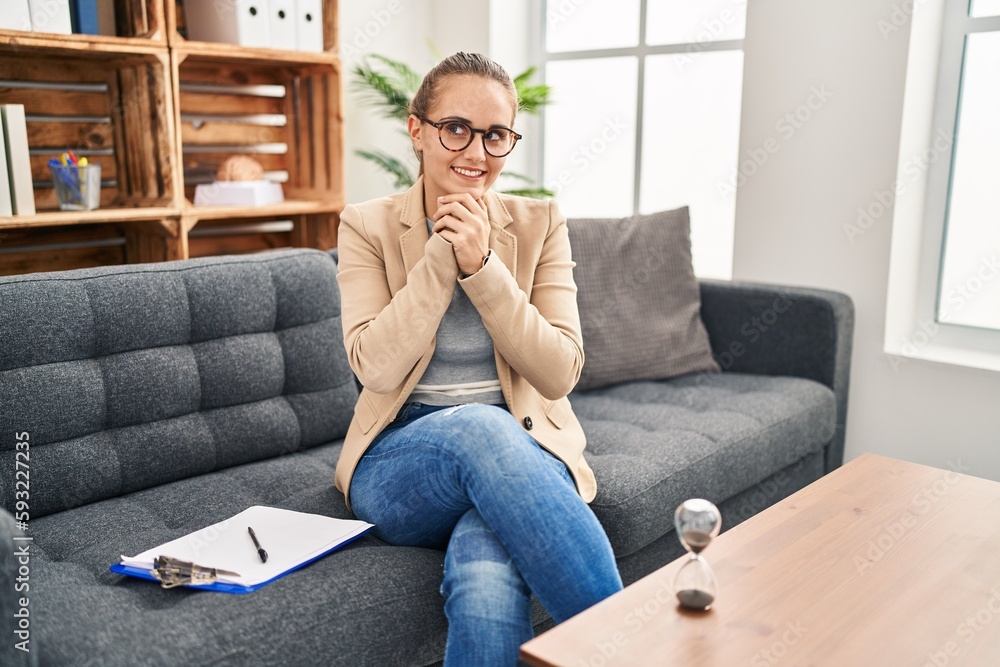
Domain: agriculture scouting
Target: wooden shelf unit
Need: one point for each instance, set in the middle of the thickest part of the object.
(160, 113)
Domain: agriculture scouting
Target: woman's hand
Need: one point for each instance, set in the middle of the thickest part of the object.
(463, 222)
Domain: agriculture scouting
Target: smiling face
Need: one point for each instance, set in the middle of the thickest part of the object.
(480, 102)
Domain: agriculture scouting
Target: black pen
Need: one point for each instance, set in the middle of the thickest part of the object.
(260, 549)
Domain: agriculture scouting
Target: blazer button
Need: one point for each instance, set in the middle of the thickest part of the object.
(528, 424)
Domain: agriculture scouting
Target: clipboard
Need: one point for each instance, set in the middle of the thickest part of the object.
(225, 549)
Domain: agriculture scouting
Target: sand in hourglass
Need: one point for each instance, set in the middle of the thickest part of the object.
(695, 599)
(696, 539)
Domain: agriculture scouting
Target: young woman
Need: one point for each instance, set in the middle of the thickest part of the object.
(460, 320)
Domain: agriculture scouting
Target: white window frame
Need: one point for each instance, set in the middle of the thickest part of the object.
(541, 56)
(930, 110)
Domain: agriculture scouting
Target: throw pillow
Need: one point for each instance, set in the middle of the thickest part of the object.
(639, 299)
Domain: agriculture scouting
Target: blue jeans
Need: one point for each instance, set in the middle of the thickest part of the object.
(470, 480)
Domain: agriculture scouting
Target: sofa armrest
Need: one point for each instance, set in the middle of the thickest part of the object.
(10, 598)
(780, 330)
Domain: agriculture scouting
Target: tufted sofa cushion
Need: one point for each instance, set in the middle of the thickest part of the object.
(129, 377)
(654, 444)
(366, 604)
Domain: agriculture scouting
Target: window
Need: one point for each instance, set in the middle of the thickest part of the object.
(943, 301)
(646, 112)
(969, 276)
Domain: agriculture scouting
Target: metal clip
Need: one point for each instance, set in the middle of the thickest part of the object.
(173, 572)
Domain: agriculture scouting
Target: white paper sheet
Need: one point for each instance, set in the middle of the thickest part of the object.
(290, 539)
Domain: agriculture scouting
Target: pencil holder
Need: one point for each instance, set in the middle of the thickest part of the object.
(77, 188)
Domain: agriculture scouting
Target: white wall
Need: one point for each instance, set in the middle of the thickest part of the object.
(792, 211)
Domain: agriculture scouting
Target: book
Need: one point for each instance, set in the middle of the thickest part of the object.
(6, 210)
(51, 16)
(84, 16)
(15, 15)
(94, 17)
(15, 134)
(243, 22)
(310, 25)
(291, 539)
(283, 28)
(106, 24)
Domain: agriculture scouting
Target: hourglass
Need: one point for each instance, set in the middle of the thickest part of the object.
(697, 522)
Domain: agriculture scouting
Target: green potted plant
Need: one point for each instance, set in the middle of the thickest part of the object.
(388, 85)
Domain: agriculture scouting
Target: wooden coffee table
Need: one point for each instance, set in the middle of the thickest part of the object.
(881, 562)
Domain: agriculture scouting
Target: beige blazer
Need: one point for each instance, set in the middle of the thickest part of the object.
(396, 282)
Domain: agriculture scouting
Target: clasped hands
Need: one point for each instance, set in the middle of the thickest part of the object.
(463, 222)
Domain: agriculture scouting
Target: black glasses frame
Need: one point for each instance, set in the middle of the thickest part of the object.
(472, 135)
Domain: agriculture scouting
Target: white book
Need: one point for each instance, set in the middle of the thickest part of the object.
(15, 15)
(6, 210)
(243, 22)
(310, 28)
(290, 539)
(51, 16)
(15, 134)
(284, 32)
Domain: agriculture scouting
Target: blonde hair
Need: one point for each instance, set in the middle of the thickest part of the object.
(475, 64)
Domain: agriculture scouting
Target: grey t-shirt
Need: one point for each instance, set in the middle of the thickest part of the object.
(463, 368)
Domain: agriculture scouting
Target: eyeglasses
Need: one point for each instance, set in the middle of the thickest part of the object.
(456, 135)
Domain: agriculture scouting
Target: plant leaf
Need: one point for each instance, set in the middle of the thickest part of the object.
(531, 98)
(381, 91)
(392, 166)
(533, 193)
(407, 80)
(521, 79)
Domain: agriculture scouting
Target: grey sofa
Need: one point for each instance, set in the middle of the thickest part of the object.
(157, 399)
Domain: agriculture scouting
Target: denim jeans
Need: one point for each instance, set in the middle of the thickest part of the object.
(470, 480)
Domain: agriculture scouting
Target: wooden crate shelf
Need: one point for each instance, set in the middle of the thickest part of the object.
(66, 218)
(175, 29)
(236, 237)
(27, 250)
(141, 27)
(253, 234)
(159, 113)
(287, 117)
(289, 207)
(228, 53)
(118, 115)
(95, 47)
